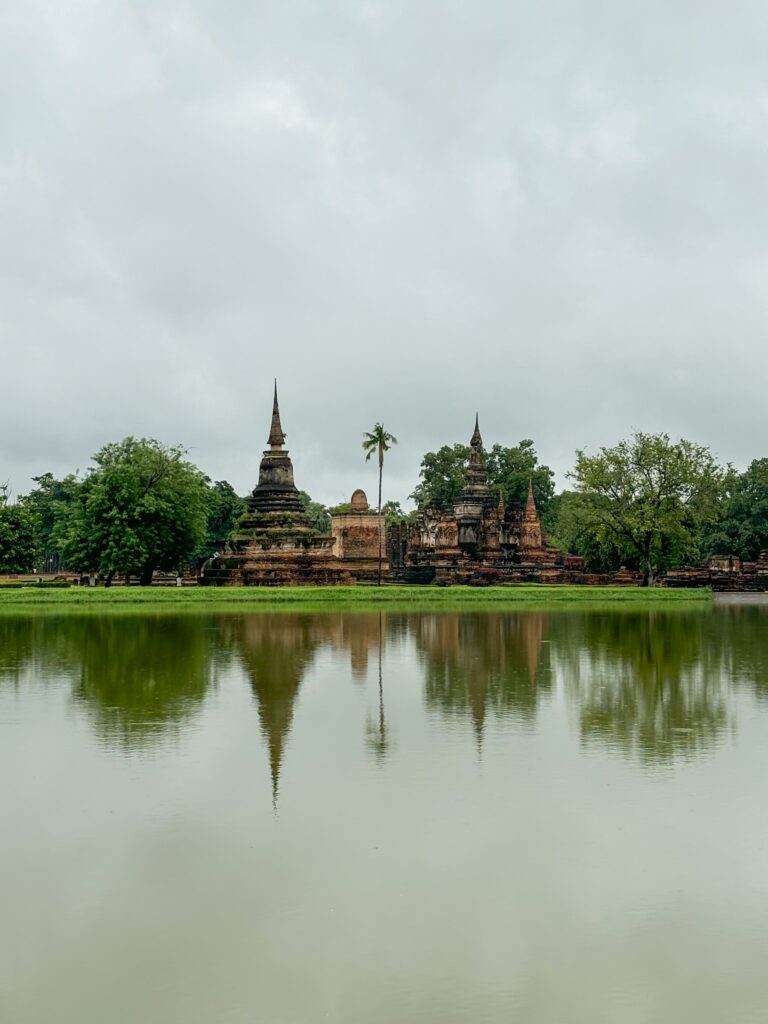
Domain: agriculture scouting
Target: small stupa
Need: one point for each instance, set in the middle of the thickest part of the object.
(530, 530)
(274, 543)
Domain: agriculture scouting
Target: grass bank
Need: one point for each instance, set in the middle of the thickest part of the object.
(359, 598)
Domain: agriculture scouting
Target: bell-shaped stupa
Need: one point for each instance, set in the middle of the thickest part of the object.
(274, 543)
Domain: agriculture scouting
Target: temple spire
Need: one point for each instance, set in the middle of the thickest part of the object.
(475, 478)
(530, 504)
(276, 435)
(476, 441)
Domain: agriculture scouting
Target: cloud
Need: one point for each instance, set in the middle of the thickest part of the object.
(405, 212)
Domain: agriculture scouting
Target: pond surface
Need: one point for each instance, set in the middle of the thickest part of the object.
(430, 818)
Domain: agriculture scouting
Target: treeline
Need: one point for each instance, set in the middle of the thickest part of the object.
(144, 507)
(648, 503)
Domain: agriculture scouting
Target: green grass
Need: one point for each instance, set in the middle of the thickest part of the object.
(356, 598)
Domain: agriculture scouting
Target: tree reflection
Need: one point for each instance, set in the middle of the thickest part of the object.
(651, 684)
(476, 663)
(25, 646)
(740, 633)
(140, 678)
(136, 676)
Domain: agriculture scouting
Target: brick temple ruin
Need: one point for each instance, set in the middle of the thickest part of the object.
(273, 543)
(480, 540)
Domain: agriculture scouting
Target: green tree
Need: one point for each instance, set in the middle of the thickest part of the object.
(442, 477)
(742, 527)
(144, 507)
(378, 441)
(18, 525)
(225, 506)
(48, 502)
(570, 528)
(395, 513)
(509, 471)
(319, 516)
(651, 498)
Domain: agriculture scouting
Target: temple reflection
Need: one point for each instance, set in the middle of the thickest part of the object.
(275, 651)
(480, 663)
(651, 685)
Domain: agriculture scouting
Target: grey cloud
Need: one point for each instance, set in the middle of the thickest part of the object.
(550, 213)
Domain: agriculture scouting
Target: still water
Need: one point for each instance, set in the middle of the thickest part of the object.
(378, 818)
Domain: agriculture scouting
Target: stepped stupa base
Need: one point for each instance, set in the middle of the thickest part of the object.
(274, 544)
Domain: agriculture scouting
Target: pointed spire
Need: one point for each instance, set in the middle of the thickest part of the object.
(477, 441)
(475, 477)
(530, 504)
(276, 435)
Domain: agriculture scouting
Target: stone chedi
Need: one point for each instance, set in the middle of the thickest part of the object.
(479, 540)
(356, 538)
(273, 542)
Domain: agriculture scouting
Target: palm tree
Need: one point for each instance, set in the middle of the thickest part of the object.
(379, 441)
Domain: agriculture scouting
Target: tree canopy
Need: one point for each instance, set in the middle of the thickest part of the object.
(648, 500)
(742, 527)
(143, 508)
(47, 502)
(509, 472)
(225, 506)
(319, 516)
(18, 540)
(571, 528)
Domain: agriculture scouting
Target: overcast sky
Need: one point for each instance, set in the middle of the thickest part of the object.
(553, 213)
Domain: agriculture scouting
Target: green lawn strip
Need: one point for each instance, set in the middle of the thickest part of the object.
(362, 598)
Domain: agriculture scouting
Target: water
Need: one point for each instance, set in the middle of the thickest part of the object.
(433, 818)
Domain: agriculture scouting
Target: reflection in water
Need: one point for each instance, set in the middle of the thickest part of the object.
(655, 685)
(479, 662)
(650, 684)
(275, 651)
(742, 642)
(137, 677)
(376, 730)
(157, 888)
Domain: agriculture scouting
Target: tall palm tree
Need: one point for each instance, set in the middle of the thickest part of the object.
(378, 441)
